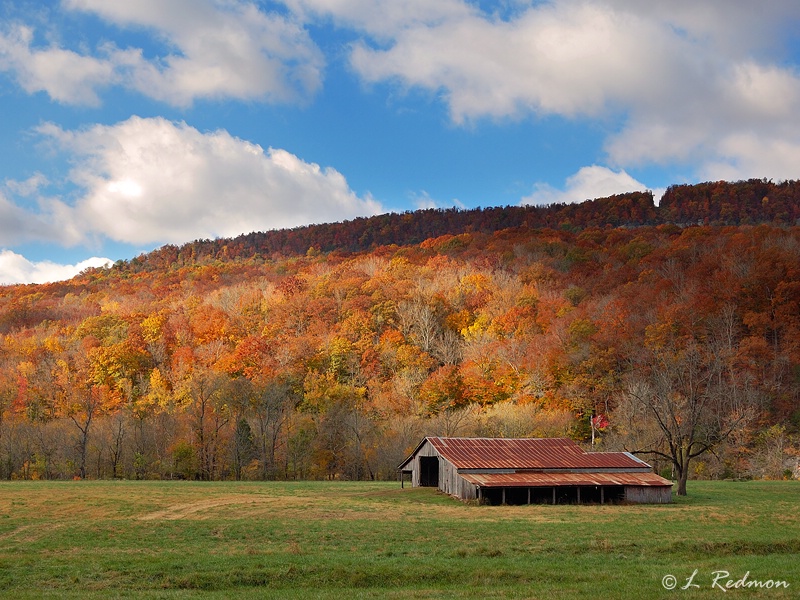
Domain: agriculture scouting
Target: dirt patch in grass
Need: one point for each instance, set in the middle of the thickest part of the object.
(203, 509)
(238, 506)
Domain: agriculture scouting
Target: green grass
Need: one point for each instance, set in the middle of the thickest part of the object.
(374, 540)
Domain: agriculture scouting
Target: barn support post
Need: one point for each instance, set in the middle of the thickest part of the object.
(529, 495)
(579, 494)
(602, 495)
(554, 495)
(504, 496)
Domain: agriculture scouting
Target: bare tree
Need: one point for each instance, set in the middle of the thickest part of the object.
(209, 414)
(418, 321)
(684, 399)
(118, 431)
(271, 405)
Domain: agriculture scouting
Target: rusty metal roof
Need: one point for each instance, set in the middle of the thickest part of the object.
(564, 479)
(528, 453)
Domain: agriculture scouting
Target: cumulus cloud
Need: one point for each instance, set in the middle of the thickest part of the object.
(65, 75)
(680, 82)
(738, 28)
(28, 187)
(153, 181)
(382, 18)
(15, 268)
(18, 225)
(587, 184)
(147, 181)
(747, 154)
(216, 49)
(566, 59)
(422, 200)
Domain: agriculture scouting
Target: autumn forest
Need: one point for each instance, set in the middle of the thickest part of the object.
(329, 351)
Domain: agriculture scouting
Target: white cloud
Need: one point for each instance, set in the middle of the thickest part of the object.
(423, 200)
(150, 181)
(217, 49)
(382, 18)
(746, 154)
(748, 100)
(738, 28)
(15, 268)
(567, 59)
(20, 225)
(675, 82)
(65, 75)
(28, 187)
(587, 184)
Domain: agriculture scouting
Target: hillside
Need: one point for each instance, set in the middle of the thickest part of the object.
(328, 351)
(718, 203)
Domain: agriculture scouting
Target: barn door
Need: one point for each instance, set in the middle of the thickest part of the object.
(429, 471)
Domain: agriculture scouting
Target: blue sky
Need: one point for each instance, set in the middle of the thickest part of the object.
(128, 124)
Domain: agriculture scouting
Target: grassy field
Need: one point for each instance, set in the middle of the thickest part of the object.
(374, 540)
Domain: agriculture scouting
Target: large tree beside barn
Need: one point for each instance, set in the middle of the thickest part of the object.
(684, 399)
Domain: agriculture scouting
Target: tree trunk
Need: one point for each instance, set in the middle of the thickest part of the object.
(83, 440)
(683, 475)
(83, 445)
(682, 466)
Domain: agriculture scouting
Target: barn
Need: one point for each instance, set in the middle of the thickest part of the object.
(532, 471)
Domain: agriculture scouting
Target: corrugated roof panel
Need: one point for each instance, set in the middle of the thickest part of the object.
(564, 479)
(529, 453)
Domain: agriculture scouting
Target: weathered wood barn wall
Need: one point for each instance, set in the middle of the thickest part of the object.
(447, 478)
